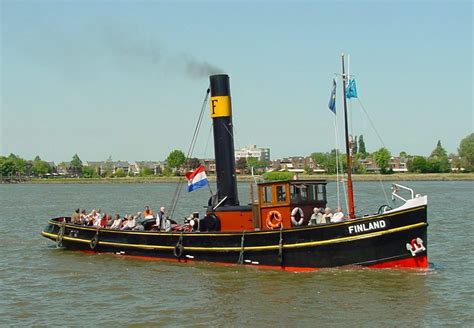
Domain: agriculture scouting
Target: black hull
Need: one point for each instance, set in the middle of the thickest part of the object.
(370, 241)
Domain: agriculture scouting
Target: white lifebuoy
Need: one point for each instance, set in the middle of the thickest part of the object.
(293, 220)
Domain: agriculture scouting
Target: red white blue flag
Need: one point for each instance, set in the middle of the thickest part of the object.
(197, 178)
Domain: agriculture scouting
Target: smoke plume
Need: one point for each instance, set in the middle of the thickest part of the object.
(140, 50)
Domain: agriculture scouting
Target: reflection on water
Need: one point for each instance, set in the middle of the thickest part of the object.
(43, 285)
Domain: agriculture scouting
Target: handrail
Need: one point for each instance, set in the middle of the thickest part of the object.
(219, 204)
(396, 188)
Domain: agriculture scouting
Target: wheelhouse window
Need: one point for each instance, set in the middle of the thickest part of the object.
(308, 192)
(281, 193)
(267, 194)
(321, 192)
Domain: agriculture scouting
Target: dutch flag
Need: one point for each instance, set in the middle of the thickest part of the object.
(197, 178)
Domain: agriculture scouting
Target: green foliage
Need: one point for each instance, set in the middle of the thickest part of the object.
(438, 161)
(89, 172)
(145, 172)
(466, 152)
(76, 165)
(108, 168)
(278, 176)
(403, 154)
(257, 165)
(167, 172)
(382, 159)
(362, 149)
(326, 160)
(12, 165)
(308, 170)
(39, 167)
(356, 146)
(357, 167)
(418, 164)
(176, 159)
(120, 173)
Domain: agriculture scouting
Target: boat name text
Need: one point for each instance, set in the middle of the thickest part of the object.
(367, 226)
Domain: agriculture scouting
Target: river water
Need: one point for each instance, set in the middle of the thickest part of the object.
(41, 285)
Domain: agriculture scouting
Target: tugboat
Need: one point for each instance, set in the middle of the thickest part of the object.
(273, 230)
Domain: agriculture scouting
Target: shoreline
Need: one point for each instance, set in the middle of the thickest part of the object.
(249, 178)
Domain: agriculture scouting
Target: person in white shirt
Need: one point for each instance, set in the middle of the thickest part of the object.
(130, 223)
(316, 217)
(338, 216)
(117, 222)
(327, 215)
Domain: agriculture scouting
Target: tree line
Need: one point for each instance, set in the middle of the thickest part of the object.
(437, 162)
(176, 162)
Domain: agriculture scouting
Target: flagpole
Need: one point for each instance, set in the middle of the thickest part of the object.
(350, 191)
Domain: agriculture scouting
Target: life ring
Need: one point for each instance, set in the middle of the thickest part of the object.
(295, 222)
(94, 241)
(273, 220)
(178, 250)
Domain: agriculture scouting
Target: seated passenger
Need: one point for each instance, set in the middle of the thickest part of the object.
(131, 223)
(327, 215)
(338, 216)
(96, 218)
(148, 213)
(117, 222)
(84, 218)
(104, 221)
(316, 217)
(76, 217)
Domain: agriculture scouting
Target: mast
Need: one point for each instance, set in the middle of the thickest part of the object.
(350, 190)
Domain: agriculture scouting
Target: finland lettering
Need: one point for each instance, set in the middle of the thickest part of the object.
(366, 226)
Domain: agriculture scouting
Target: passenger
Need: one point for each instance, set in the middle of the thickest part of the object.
(327, 215)
(95, 218)
(148, 213)
(314, 217)
(104, 221)
(131, 223)
(76, 217)
(159, 218)
(84, 219)
(117, 222)
(124, 221)
(338, 215)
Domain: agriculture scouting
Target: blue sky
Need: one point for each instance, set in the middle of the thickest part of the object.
(127, 79)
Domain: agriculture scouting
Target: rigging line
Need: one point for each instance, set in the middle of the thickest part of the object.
(337, 162)
(177, 192)
(381, 141)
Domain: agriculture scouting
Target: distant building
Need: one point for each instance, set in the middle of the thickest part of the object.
(209, 164)
(398, 164)
(156, 167)
(252, 151)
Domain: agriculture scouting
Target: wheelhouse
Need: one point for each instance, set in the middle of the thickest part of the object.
(289, 202)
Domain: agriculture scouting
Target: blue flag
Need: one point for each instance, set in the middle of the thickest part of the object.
(332, 100)
(351, 89)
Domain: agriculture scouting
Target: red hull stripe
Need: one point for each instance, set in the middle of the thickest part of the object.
(412, 262)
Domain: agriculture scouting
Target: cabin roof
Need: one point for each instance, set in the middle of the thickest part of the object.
(293, 182)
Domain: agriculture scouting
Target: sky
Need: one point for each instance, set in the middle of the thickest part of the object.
(127, 79)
